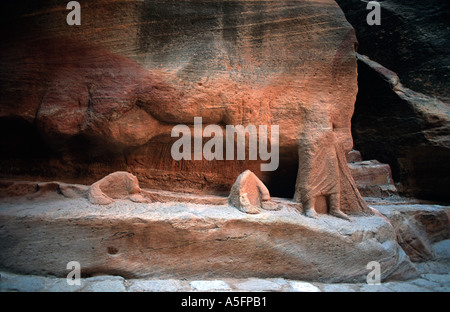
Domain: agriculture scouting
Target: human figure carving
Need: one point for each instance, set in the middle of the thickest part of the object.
(323, 170)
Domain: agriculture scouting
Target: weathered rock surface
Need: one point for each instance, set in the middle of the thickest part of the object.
(117, 185)
(353, 156)
(373, 178)
(405, 129)
(249, 194)
(174, 240)
(371, 172)
(418, 227)
(30, 190)
(103, 96)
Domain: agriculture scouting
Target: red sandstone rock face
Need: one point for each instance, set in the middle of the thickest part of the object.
(100, 97)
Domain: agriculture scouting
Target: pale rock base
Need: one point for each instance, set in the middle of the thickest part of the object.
(176, 240)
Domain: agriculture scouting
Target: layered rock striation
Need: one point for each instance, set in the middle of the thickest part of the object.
(101, 97)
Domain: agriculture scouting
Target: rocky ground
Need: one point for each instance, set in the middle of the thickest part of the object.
(421, 228)
(26, 283)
